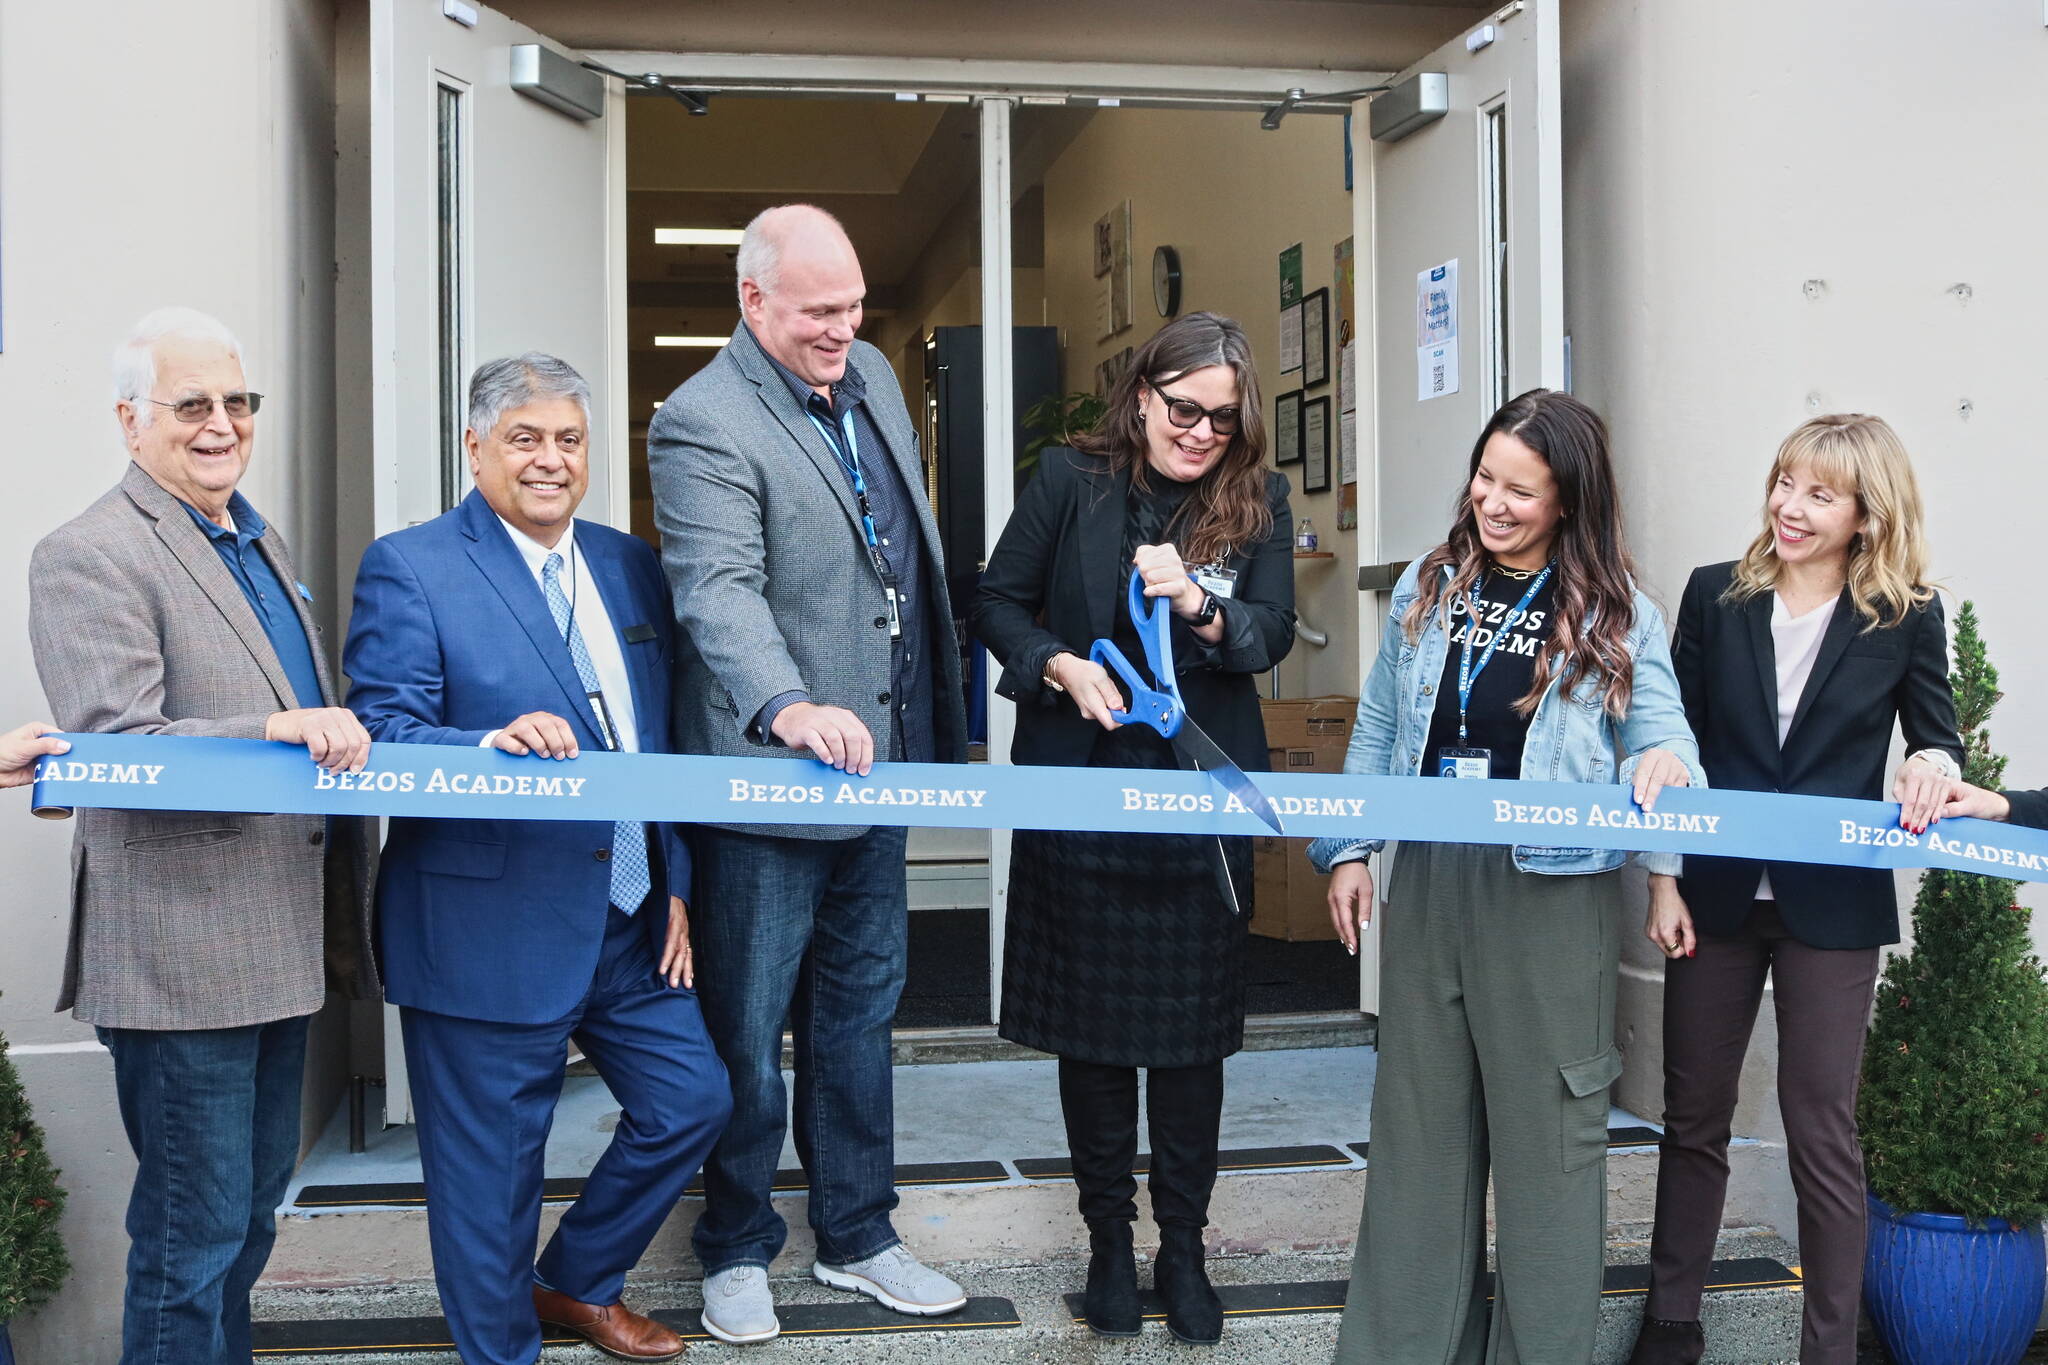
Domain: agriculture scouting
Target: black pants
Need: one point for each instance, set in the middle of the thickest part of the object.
(1184, 1114)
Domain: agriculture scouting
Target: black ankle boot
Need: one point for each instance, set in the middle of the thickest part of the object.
(1111, 1301)
(1193, 1312)
(1668, 1343)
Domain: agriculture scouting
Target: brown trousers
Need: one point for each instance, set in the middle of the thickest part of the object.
(1823, 999)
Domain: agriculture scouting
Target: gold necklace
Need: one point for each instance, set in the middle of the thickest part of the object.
(1518, 575)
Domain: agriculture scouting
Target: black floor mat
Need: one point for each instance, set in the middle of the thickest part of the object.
(947, 985)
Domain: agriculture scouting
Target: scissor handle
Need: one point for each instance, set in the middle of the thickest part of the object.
(1145, 612)
(1160, 710)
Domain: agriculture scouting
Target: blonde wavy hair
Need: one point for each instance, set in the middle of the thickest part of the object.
(1862, 456)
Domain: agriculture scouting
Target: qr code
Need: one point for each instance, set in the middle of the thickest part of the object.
(1436, 379)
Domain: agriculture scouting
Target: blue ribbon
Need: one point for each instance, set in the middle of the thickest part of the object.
(181, 773)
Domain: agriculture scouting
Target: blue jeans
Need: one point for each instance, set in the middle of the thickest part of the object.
(813, 931)
(213, 1116)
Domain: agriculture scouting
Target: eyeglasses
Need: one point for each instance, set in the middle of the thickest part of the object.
(1185, 414)
(197, 409)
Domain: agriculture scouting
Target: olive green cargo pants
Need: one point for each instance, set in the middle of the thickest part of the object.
(1496, 1050)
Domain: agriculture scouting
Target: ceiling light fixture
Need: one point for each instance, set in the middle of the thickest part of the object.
(698, 236)
(701, 343)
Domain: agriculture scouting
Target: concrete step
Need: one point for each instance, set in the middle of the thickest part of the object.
(1747, 1326)
(1278, 1203)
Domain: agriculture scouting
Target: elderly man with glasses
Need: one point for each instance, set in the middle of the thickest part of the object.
(201, 943)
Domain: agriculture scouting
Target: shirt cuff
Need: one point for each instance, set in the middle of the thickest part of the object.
(764, 720)
(490, 738)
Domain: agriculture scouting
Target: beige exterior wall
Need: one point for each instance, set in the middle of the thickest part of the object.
(1266, 191)
(1717, 159)
(104, 113)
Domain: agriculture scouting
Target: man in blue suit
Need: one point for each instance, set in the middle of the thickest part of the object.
(506, 623)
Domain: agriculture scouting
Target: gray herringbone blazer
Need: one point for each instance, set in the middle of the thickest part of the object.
(761, 540)
(187, 920)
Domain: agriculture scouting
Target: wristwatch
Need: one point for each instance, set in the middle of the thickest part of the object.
(1210, 606)
(1046, 676)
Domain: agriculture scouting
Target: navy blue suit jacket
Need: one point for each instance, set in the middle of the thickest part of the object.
(499, 920)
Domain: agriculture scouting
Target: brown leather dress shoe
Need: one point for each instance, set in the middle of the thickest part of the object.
(614, 1329)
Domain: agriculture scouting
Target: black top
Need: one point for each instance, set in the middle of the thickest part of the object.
(1863, 680)
(911, 666)
(2029, 808)
(1057, 580)
(1491, 721)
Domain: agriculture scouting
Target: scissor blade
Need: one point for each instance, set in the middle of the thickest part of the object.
(1201, 752)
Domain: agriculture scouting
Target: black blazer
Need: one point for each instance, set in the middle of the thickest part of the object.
(2029, 807)
(1841, 732)
(1057, 579)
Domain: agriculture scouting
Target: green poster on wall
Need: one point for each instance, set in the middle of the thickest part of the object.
(1290, 276)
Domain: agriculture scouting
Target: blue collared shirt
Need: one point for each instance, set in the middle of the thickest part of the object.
(912, 689)
(268, 598)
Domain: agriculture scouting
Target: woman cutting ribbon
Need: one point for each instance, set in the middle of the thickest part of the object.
(1125, 951)
(1518, 648)
(1795, 661)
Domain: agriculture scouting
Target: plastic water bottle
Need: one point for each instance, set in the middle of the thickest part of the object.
(1305, 537)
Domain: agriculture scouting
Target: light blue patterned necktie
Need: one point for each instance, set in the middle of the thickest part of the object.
(630, 879)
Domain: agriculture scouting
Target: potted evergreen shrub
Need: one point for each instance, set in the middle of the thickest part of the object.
(32, 1260)
(1954, 1108)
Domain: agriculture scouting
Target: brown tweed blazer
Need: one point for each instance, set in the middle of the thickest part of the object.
(187, 920)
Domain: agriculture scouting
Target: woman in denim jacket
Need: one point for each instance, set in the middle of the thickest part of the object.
(1518, 648)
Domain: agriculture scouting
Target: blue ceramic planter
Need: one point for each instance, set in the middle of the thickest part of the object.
(1941, 1292)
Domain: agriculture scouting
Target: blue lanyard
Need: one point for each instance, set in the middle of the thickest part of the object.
(1467, 673)
(849, 460)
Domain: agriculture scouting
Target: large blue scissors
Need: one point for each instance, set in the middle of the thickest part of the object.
(1161, 707)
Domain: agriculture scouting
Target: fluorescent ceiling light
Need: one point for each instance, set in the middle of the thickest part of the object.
(697, 236)
(707, 343)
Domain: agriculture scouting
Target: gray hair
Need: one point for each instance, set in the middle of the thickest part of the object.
(135, 357)
(509, 382)
(760, 255)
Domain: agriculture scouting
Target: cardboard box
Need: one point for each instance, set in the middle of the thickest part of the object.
(1299, 723)
(1289, 897)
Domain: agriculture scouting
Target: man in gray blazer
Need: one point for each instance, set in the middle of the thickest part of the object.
(201, 943)
(814, 623)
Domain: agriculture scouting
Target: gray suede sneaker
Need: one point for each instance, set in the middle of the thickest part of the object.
(895, 1279)
(738, 1307)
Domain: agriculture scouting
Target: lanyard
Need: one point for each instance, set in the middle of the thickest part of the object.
(1467, 672)
(849, 460)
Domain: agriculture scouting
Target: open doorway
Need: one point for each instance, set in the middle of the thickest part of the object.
(1223, 196)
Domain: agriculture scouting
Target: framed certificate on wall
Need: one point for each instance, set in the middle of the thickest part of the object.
(1315, 445)
(1315, 339)
(1287, 428)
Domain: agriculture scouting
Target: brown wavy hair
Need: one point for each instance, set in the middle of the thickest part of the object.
(1595, 588)
(1862, 456)
(1227, 510)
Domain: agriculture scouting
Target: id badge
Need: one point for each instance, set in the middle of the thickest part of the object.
(1466, 763)
(1216, 580)
(895, 616)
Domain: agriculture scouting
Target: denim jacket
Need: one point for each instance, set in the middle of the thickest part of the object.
(1570, 740)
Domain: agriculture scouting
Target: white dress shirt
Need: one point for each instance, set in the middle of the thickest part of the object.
(1795, 640)
(586, 602)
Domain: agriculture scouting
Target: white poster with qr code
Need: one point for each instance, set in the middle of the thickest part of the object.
(1436, 331)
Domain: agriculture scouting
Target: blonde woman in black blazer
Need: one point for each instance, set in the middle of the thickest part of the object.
(1794, 661)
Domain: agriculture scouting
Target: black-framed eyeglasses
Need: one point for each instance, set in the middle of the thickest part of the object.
(198, 409)
(1186, 415)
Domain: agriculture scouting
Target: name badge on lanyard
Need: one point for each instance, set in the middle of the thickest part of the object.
(1216, 580)
(849, 460)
